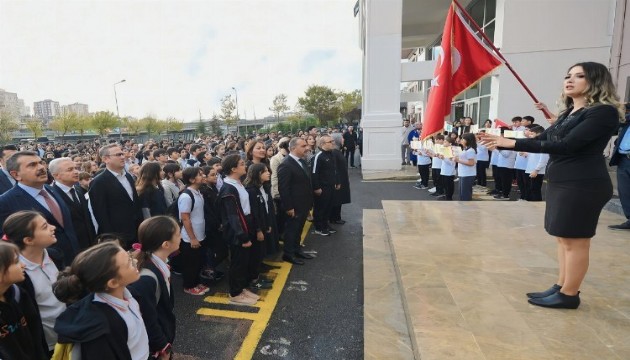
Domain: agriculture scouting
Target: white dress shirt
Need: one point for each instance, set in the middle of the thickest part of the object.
(123, 181)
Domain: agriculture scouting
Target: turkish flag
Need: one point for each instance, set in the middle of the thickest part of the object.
(462, 61)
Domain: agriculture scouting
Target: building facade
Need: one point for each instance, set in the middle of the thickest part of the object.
(76, 108)
(11, 103)
(46, 109)
(540, 38)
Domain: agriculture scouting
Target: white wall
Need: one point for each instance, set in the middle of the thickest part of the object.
(541, 39)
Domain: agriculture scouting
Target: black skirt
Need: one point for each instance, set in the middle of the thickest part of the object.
(573, 207)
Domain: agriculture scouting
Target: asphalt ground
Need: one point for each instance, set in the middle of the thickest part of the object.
(318, 311)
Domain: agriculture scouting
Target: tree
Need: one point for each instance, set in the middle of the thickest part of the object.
(201, 127)
(227, 109)
(83, 124)
(133, 125)
(349, 103)
(151, 125)
(321, 101)
(215, 125)
(8, 124)
(279, 105)
(103, 122)
(172, 124)
(36, 127)
(65, 123)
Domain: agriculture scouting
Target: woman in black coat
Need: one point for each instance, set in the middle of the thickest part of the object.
(578, 182)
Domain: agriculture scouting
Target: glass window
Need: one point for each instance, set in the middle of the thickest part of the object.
(484, 109)
(491, 9)
(476, 12)
(473, 91)
(489, 31)
(485, 85)
(460, 96)
(457, 111)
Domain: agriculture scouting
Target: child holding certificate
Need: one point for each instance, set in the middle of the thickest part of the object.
(447, 172)
(466, 170)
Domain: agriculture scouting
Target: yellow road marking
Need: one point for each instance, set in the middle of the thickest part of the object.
(228, 314)
(266, 306)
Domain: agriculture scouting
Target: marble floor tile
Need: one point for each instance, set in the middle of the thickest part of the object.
(465, 268)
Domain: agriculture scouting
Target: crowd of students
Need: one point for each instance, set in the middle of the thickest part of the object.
(98, 230)
(470, 162)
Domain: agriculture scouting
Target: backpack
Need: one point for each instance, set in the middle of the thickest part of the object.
(151, 274)
(173, 209)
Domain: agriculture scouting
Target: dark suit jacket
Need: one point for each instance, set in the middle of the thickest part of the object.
(67, 245)
(616, 156)
(5, 183)
(294, 185)
(114, 211)
(80, 217)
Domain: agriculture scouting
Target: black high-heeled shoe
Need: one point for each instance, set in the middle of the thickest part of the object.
(552, 290)
(557, 300)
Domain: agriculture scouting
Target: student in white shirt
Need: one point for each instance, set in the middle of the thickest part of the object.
(447, 173)
(483, 161)
(32, 234)
(436, 166)
(505, 166)
(466, 168)
(536, 165)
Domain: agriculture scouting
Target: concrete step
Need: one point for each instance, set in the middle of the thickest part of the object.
(386, 329)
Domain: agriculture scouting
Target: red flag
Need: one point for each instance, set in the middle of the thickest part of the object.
(462, 61)
(499, 124)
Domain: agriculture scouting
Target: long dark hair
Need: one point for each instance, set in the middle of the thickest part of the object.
(253, 175)
(90, 271)
(19, 226)
(600, 89)
(9, 255)
(148, 178)
(471, 141)
(151, 234)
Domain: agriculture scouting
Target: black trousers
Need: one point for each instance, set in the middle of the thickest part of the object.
(496, 175)
(239, 265)
(437, 181)
(424, 171)
(256, 256)
(481, 172)
(506, 175)
(335, 213)
(322, 206)
(449, 186)
(281, 216)
(293, 233)
(349, 154)
(535, 188)
(521, 181)
(190, 261)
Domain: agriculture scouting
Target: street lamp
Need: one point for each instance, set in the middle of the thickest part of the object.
(238, 118)
(117, 113)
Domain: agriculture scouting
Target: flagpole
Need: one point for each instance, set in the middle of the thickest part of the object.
(473, 23)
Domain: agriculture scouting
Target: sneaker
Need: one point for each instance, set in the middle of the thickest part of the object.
(624, 226)
(259, 285)
(197, 290)
(433, 190)
(419, 187)
(203, 287)
(331, 230)
(436, 194)
(322, 232)
(209, 275)
(456, 179)
(251, 294)
(440, 197)
(242, 299)
(500, 197)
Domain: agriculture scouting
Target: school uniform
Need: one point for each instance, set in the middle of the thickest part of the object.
(25, 340)
(496, 176)
(483, 160)
(436, 167)
(190, 258)
(466, 174)
(447, 174)
(424, 165)
(522, 180)
(505, 166)
(537, 162)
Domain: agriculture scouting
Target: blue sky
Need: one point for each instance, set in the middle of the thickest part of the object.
(178, 58)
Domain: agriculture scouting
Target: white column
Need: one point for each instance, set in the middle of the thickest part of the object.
(381, 120)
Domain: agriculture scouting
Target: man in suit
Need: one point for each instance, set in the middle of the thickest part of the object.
(325, 182)
(6, 180)
(350, 144)
(114, 199)
(32, 193)
(296, 197)
(65, 186)
(621, 158)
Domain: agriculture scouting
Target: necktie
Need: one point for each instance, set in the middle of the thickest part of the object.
(73, 196)
(52, 206)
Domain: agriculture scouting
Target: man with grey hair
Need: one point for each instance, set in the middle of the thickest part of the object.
(65, 186)
(274, 163)
(114, 198)
(325, 181)
(32, 193)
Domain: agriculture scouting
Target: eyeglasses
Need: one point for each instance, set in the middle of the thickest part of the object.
(133, 262)
(117, 154)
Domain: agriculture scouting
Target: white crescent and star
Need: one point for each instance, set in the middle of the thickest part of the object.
(456, 62)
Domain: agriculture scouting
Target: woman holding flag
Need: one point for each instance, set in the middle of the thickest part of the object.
(578, 182)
